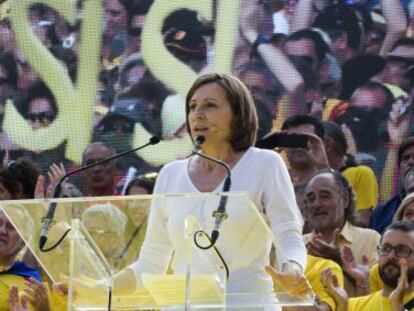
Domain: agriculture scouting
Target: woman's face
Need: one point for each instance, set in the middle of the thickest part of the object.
(210, 114)
(4, 193)
(10, 241)
(408, 214)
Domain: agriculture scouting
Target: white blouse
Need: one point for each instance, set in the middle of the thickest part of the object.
(263, 175)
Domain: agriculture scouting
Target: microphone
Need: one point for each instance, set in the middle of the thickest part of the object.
(220, 213)
(58, 188)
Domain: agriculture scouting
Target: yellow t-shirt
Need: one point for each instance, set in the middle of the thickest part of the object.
(374, 301)
(362, 179)
(56, 302)
(375, 281)
(314, 268)
(362, 241)
(7, 281)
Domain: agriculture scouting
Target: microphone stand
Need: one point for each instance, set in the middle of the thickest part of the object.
(220, 213)
(58, 188)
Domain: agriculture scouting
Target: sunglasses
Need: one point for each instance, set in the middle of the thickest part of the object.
(126, 127)
(42, 117)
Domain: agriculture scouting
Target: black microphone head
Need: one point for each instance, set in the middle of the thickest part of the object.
(200, 139)
(154, 140)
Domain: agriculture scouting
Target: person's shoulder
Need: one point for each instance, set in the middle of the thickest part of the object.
(365, 232)
(367, 302)
(392, 203)
(359, 169)
(174, 166)
(320, 264)
(264, 154)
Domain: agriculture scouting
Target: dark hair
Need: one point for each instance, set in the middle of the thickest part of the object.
(10, 182)
(9, 63)
(146, 181)
(367, 20)
(26, 173)
(408, 142)
(344, 186)
(404, 226)
(340, 17)
(245, 123)
(304, 119)
(358, 70)
(38, 90)
(321, 48)
(334, 131)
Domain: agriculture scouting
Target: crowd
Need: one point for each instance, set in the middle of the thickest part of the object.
(339, 72)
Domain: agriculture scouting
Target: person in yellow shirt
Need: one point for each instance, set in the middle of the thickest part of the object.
(396, 269)
(314, 268)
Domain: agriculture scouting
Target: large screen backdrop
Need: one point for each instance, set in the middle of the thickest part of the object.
(84, 71)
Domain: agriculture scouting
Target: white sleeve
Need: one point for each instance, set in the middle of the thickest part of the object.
(157, 248)
(283, 214)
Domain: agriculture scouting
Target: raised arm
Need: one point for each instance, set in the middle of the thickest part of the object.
(302, 18)
(275, 59)
(396, 21)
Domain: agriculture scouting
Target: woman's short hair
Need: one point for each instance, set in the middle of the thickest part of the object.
(19, 177)
(146, 181)
(400, 211)
(245, 123)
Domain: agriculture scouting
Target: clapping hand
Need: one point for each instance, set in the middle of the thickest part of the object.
(55, 173)
(358, 272)
(35, 295)
(396, 296)
(330, 250)
(331, 284)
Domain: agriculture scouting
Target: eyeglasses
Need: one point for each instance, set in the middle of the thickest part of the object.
(400, 251)
(42, 117)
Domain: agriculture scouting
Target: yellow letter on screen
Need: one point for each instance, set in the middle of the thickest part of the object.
(177, 75)
(75, 102)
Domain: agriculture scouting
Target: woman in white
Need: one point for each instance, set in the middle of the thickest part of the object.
(220, 108)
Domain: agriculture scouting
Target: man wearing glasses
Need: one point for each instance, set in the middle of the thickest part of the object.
(396, 270)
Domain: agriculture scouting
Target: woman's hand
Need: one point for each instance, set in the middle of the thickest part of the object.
(331, 285)
(15, 302)
(291, 281)
(35, 294)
